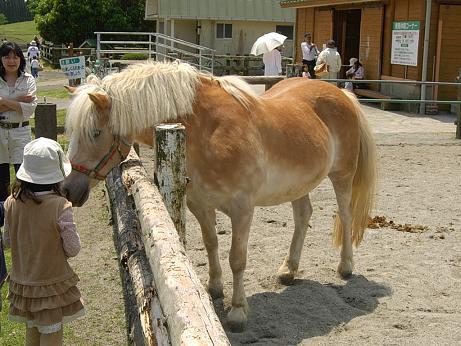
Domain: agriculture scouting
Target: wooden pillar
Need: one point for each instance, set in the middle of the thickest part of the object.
(46, 121)
(170, 142)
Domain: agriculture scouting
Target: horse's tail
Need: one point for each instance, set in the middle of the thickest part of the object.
(364, 183)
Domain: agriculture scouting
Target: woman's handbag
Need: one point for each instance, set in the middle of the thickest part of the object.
(321, 70)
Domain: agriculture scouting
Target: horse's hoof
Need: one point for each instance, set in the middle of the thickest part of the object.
(285, 275)
(216, 292)
(286, 278)
(345, 269)
(237, 320)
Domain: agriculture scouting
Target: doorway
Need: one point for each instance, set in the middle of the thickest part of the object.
(346, 33)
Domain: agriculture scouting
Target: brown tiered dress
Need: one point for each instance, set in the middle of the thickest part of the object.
(42, 285)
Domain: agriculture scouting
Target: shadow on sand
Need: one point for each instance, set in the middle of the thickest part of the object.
(304, 310)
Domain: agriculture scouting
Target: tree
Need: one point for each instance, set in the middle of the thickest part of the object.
(64, 21)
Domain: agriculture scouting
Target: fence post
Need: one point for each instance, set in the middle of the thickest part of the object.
(458, 107)
(46, 121)
(170, 171)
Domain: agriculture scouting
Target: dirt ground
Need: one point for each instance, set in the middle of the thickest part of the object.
(406, 285)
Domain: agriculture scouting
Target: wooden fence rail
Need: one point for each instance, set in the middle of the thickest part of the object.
(188, 312)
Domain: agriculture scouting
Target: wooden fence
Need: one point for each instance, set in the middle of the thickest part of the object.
(166, 303)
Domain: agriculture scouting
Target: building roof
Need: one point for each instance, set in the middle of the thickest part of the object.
(248, 10)
(319, 3)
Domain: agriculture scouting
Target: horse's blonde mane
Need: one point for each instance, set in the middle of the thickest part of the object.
(146, 94)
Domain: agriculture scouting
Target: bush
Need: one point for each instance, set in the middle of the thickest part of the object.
(135, 56)
(3, 19)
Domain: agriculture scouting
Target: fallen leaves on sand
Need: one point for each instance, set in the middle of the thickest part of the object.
(381, 222)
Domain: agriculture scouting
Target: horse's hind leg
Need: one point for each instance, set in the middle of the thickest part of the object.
(241, 217)
(207, 221)
(302, 212)
(343, 191)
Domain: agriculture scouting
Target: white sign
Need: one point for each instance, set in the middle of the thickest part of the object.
(405, 39)
(74, 67)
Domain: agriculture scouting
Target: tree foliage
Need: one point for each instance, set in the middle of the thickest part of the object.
(64, 21)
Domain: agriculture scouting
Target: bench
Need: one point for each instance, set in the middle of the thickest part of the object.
(371, 94)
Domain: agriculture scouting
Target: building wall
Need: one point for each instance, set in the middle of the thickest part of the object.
(444, 57)
(244, 34)
(254, 10)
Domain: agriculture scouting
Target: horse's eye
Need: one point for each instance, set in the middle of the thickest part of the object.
(96, 133)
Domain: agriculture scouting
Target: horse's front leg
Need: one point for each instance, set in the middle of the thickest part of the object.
(241, 218)
(207, 221)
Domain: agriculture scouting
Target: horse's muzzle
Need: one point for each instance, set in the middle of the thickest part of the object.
(76, 189)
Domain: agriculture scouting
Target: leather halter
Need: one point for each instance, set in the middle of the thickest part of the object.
(114, 148)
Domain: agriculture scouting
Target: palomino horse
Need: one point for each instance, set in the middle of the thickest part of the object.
(242, 151)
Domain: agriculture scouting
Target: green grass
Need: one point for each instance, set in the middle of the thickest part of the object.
(59, 93)
(21, 33)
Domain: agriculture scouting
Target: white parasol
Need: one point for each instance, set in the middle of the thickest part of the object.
(267, 42)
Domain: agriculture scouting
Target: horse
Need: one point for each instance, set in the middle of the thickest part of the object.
(243, 150)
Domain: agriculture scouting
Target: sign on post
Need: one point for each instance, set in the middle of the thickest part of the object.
(74, 68)
(405, 40)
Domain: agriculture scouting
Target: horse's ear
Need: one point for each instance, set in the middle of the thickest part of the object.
(70, 89)
(101, 101)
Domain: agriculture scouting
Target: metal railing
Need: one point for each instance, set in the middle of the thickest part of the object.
(408, 82)
(155, 46)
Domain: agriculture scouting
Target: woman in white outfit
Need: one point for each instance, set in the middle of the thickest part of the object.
(272, 62)
(331, 57)
(17, 103)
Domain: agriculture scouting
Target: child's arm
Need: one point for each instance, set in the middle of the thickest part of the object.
(69, 235)
(6, 234)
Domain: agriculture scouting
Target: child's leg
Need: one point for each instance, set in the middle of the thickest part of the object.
(32, 337)
(53, 339)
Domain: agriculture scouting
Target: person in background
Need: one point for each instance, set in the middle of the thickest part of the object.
(355, 72)
(273, 62)
(38, 42)
(310, 53)
(33, 51)
(43, 291)
(34, 67)
(331, 57)
(305, 72)
(17, 103)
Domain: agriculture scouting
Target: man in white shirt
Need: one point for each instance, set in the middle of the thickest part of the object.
(33, 51)
(310, 52)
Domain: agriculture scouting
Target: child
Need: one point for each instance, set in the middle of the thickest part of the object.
(39, 228)
(306, 72)
(34, 67)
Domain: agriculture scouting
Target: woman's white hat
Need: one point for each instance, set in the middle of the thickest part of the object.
(33, 43)
(352, 61)
(44, 162)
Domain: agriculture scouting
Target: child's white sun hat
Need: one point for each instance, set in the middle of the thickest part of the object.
(44, 162)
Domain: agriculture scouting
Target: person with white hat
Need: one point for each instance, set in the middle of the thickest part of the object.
(40, 230)
(33, 51)
(355, 72)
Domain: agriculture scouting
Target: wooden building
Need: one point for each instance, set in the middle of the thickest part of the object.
(369, 30)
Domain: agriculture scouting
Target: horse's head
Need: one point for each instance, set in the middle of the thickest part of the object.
(94, 148)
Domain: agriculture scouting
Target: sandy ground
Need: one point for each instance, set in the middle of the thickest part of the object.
(406, 286)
